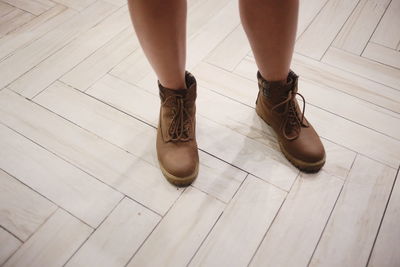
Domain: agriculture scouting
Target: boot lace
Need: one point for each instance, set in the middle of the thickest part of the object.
(292, 120)
(179, 129)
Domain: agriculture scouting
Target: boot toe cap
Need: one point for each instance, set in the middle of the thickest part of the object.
(312, 153)
(181, 164)
(180, 168)
(307, 155)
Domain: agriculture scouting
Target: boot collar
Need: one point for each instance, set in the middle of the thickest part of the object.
(189, 93)
(275, 91)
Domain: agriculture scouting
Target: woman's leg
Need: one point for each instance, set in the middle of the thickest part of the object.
(161, 29)
(271, 27)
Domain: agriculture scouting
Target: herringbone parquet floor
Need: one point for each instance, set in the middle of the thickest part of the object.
(79, 180)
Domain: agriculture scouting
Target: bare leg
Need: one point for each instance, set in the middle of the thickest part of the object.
(161, 29)
(271, 27)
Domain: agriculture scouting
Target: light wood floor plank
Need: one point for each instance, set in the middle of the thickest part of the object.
(231, 50)
(36, 7)
(117, 238)
(67, 186)
(366, 114)
(26, 58)
(212, 33)
(360, 25)
(110, 164)
(245, 153)
(13, 20)
(382, 54)
(227, 83)
(80, 183)
(53, 243)
(386, 251)
(364, 67)
(317, 38)
(77, 4)
(118, 3)
(240, 229)
(339, 159)
(5, 9)
(133, 68)
(9, 245)
(300, 222)
(216, 178)
(308, 10)
(348, 83)
(22, 210)
(66, 58)
(201, 12)
(34, 29)
(346, 133)
(351, 230)
(181, 231)
(387, 32)
(100, 62)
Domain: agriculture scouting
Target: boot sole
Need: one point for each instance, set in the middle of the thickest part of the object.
(180, 181)
(304, 166)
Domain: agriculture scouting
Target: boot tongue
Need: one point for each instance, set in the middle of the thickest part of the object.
(278, 91)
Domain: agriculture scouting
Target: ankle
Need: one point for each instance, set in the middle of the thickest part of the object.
(173, 84)
(275, 78)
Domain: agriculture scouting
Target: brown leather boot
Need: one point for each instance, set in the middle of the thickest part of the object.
(277, 105)
(176, 138)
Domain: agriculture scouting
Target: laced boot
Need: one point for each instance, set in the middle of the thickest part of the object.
(176, 138)
(277, 105)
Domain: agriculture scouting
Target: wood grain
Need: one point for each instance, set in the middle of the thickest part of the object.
(181, 231)
(118, 237)
(386, 251)
(349, 235)
(387, 32)
(317, 38)
(360, 25)
(22, 210)
(33, 29)
(138, 139)
(111, 165)
(9, 245)
(233, 239)
(300, 222)
(382, 54)
(53, 243)
(28, 57)
(81, 194)
(66, 58)
(80, 183)
(364, 67)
